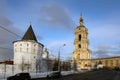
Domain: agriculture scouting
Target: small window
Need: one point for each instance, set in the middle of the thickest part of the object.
(79, 46)
(20, 44)
(27, 44)
(15, 45)
(86, 65)
(79, 37)
(99, 62)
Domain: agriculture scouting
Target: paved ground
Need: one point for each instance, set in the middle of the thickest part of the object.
(91, 75)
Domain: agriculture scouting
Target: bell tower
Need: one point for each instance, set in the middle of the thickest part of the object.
(81, 43)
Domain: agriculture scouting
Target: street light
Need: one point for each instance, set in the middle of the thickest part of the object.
(59, 65)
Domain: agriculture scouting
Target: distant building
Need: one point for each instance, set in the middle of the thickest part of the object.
(109, 62)
(48, 61)
(81, 57)
(52, 57)
(45, 55)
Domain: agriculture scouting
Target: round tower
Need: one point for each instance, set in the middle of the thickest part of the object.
(27, 52)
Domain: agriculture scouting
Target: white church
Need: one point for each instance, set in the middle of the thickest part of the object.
(29, 55)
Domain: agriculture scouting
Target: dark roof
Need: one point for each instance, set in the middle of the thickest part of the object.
(29, 35)
(7, 62)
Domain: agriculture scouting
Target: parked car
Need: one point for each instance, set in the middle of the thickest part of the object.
(54, 75)
(20, 76)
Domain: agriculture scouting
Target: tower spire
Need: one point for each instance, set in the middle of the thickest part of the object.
(81, 15)
(29, 35)
(30, 23)
(81, 20)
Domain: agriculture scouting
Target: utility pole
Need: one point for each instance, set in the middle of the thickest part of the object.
(59, 64)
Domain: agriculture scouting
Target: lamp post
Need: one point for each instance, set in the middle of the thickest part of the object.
(59, 65)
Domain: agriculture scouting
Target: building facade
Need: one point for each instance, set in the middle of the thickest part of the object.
(109, 62)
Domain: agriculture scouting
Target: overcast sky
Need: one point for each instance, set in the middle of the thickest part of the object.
(54, 21)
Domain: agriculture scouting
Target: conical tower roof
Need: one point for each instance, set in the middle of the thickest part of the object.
(29, 35)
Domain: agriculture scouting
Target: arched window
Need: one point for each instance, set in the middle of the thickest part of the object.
(79, 45)
(15, 45)
(80, 37)
(100, 62)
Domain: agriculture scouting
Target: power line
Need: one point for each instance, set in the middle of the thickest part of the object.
(6, 48)
(10, 31)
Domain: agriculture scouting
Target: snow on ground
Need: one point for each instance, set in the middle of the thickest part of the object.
(3, 75)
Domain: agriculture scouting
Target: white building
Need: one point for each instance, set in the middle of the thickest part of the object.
(45, 55)
(29, 56)
(48, 61)
(28, 52)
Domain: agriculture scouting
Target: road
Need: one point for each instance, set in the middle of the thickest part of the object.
(91, 75)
